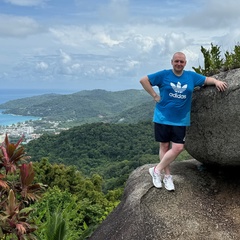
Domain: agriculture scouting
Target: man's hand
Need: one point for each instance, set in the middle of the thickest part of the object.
(156, 98)
(221, 86)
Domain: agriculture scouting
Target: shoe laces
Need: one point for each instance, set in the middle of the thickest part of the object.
(168, 178)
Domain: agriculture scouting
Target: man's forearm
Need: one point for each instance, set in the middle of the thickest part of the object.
(149, 89)
(220, 85)
(147, 86)
(210, 81)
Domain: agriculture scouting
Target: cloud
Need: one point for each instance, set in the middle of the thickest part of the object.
(176, 42)
(42, 66)
(124, 41)
(15, 26)
(72, 35)
(213, 15)
(26, 3)
(107, 40)
(65, 58)
(104, 53)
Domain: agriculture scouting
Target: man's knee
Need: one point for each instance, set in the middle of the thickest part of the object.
(178, 148)
(164, 146)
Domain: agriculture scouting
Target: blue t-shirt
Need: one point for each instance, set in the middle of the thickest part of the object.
(176, 96)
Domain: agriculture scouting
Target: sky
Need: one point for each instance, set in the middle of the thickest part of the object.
(107, 44)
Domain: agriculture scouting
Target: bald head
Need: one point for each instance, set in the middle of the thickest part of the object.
(179, 55)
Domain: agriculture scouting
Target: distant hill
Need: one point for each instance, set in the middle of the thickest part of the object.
(86, 106)
(142, 112)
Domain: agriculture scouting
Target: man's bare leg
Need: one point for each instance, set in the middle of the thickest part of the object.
(169, 156)
(163, 148)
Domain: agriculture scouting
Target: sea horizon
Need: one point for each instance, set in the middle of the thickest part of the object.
(14, 94)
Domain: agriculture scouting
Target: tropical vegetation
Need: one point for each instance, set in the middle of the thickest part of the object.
(214, 61)
(17, 192)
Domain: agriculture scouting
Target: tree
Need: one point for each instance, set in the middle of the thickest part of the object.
(213, 63)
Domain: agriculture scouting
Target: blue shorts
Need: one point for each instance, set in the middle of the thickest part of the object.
(168, 133)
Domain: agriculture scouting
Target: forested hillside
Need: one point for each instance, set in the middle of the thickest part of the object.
(83, 106)
(47, 201)
(142, 112)
(111, 150)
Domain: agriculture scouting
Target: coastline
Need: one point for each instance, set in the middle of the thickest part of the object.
(10, 119)
(7, 95)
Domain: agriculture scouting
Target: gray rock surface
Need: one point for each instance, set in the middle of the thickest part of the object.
(214, 134)
(205, 205)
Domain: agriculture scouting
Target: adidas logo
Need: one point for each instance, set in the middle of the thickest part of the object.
(178, 88)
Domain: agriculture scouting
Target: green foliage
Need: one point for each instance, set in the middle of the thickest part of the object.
(71, 213)
(82, 203)
(213, 63)
(110, 150)
(66, 178)
(81, 213)
(17, 192)
(51, 204)
(55, 226)
(232, 59)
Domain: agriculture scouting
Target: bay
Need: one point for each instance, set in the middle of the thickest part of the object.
(9, 119)
(14, 94)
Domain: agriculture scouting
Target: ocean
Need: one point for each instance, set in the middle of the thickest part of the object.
(9, 119)
(13, 94)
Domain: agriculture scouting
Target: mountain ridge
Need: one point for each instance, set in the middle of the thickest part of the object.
(85, 106)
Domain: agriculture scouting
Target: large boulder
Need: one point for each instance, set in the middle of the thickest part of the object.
(214, 134)
(205, 205)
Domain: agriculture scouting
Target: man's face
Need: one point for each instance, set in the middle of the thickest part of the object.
(178, 62)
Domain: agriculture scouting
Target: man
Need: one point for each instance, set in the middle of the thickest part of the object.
(172, 112)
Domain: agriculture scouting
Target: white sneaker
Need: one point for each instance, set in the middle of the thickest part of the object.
(156, 178)
(168, 183)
